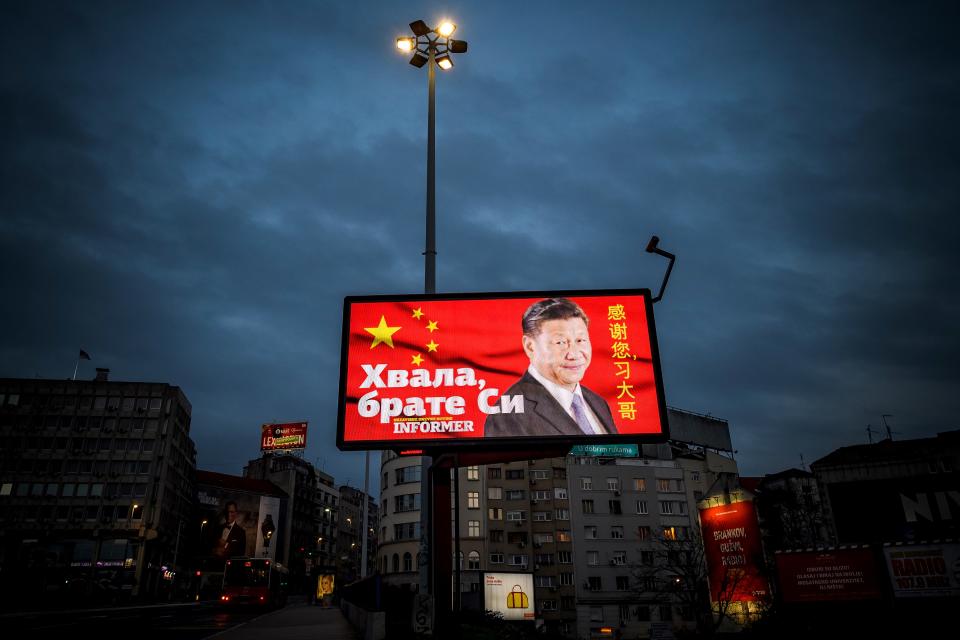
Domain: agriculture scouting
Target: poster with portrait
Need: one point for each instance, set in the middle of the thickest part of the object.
(231, 520)
(579, 367)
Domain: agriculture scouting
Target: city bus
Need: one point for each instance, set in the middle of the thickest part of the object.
(254, 581)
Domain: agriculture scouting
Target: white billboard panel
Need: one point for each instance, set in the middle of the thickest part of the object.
(510, 594)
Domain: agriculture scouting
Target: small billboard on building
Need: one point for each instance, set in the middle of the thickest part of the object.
(283, 436)
(509, 594)
(828, 575)
(501, 369)
(923, 571)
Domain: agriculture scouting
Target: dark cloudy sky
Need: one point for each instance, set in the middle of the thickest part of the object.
(189, 189)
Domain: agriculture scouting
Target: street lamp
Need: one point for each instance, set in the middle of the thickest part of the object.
(431, 47)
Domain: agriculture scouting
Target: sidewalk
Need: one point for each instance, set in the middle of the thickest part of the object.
(296, 621)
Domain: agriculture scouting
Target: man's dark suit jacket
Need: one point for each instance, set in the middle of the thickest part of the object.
(542, 414)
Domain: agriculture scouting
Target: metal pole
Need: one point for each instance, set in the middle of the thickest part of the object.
(363, 516)
(456, 533)
(429, 286)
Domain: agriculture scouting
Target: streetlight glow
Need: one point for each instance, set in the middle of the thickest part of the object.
(446, 28)
(444, 62)
(405, 44)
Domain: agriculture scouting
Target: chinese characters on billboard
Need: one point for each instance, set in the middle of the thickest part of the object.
(290, 435)
(731, 542)
(455, 369)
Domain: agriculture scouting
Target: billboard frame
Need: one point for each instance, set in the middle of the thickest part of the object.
(494, 444)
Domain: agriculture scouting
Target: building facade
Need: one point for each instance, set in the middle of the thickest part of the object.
(96, 487)
(399, 533)
(352, 531)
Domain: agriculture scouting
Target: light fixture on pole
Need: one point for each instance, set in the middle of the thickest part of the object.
(431, 47)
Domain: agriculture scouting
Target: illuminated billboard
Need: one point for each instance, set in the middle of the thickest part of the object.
(288, 435)
(509, 594)
(501, 369)
(829, 575)
(731, 543)
(924, 571)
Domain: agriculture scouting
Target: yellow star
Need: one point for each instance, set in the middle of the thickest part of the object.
(382, 333)
(418, 312)
(432, 346)
(431, 325)
(417, 360)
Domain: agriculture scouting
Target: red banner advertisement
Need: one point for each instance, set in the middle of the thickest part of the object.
(288, 435)
(578, 367)
(731, 543)
(842, 574)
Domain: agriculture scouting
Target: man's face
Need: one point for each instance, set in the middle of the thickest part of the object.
(561, 351)
(231, 514)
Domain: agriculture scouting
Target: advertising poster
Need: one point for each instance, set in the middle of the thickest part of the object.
(232, 518)
(731, 543)
(325, 584)
(509, 594)
(924, 571)
(578, 367)
(267, 529)
(814, 576)
(281, 437)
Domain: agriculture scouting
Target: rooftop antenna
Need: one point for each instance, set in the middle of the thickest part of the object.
(887, 426)
(803, 465)
(870, 432)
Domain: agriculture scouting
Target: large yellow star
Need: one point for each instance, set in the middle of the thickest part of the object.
(418, 313)
(417, 360)
(382, 333)
(432, 346)
(431, 325)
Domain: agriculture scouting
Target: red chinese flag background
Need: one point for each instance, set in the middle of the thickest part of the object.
(485, 335)
(731, 542)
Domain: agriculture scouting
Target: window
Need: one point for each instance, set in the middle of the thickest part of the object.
(495, 513)
(544, 581)
(562, 514)
(666, 613)
(666, 507)
(594, 584)
(473, 528)
(623, 584)
(496, 558)
(643, 533)
(540, 495)
(563, 536)
(494, 493)
(514, 474)
(586, 483)
(566, 579)
(549, 604)
(493, 473)
(473, 473)
(6, 488)
(565, 557)
(473, 499)
(518, 559)
(641, 507)
(516, 516)
(473, 559)
(407, 474)
(614, 506)
(539, 474)
(396, 562)
(542, 516)
(559, 493)
(619, 558)
(496, 535)
(587, 506)
(406, 531)
(386, 484)
(695, 475)
(407, 561)
(593, 558)
(406, 502)
(639, 484)
(516, 494)
(542, 538)
(590, 532)
(544, 559)
(675, 533)
(613, 484)
(616, 532)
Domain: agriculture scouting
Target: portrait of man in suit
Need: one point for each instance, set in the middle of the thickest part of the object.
(233, 538)
(556, 339)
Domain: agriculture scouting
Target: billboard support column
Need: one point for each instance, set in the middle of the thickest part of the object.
(440, 548)
(458, 560)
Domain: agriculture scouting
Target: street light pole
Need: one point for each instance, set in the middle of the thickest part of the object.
(430, 255)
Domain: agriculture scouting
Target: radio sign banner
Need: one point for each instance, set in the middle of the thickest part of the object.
(731, 544)
(500, 368)
(923, 571)
(289, 435)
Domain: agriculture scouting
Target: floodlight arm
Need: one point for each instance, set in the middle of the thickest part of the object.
(653, 248)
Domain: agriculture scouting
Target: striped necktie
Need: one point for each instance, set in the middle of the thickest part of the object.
(580, 415)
